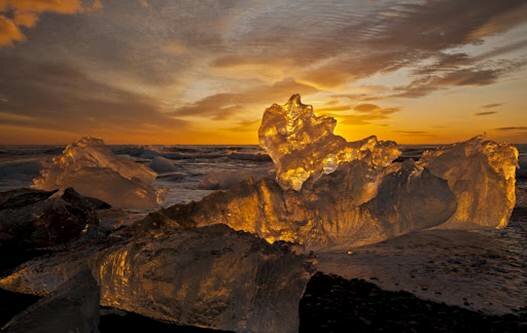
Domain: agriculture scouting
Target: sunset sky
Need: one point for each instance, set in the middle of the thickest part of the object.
(202, 72)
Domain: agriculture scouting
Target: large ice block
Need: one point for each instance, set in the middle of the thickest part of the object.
(302, 144)
(90, 167)
(355, 205)
(209, 277)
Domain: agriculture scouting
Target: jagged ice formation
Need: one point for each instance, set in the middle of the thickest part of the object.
(480, 172)
(330, 193)
(482, 175)
(90, 167)
(303, 145)
(210, 277)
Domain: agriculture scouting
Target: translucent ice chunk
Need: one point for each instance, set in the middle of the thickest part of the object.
(355, 205)
(93, 170)
(162, 165)
(209, 277)
(212, 277)
(302, 145)
(482, 175)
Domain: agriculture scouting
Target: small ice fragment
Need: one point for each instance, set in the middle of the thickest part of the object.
(161, 164)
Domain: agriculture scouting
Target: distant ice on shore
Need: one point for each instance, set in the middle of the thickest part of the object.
(90, 167)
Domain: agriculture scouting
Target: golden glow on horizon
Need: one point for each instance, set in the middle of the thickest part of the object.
(232, 132)
(184, 83)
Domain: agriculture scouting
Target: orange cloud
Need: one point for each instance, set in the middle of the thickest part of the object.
(492, 105)
(366, 107)
(335, 108)
(83, 105)
(365, 113)
(25, 19)
(414, 133)
(174, 48)
(224, 105)
(9, 32)
(250, 126)
(15, 14)
(500, 22)
(485, 113)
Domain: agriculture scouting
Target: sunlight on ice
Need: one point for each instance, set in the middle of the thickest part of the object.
(482, 175)
(302, 145)
(331, 194)
(356, 194)
(211, 277)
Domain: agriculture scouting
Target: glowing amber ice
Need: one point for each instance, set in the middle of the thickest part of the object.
(482, 175)
(210, 277)
(302, 144)
(349, 194)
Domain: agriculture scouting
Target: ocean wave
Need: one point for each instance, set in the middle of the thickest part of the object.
(20, 169)
(18, 151)
(220, 180)
(144, 152)
(522, 171)
(161, 164)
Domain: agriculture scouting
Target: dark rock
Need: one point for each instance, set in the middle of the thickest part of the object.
(32, 220)
(74, 198)
(12, 303)
(131, 322)
(22, 197)
(521, 173)
(74, 307)
(519, 214)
